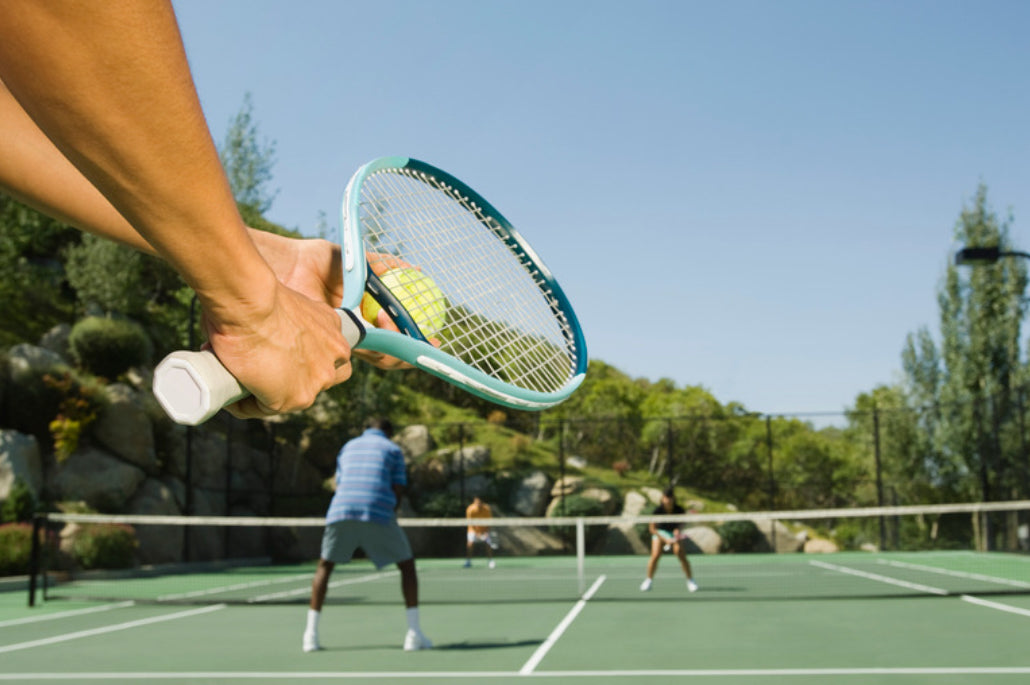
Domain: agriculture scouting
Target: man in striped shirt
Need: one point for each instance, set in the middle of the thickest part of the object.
(370, 480)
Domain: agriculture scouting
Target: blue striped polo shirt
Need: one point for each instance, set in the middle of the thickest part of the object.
(367, 468)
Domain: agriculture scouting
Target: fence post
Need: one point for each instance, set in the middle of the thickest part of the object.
(772, 475)
(879, 475)
(561, 466)
(668, 449)
(461, 463)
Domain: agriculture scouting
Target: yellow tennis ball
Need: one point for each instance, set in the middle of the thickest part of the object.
(417, 293)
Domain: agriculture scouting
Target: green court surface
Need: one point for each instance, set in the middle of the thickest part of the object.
(777, 619)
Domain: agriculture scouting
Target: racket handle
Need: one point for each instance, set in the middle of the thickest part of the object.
(193, 386)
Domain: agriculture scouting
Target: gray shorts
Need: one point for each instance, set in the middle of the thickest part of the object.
(384, 543)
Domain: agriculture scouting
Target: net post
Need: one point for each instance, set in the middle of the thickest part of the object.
(34, 557)
(580, 553)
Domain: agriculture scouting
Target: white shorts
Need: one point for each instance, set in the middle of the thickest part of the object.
(487, 537)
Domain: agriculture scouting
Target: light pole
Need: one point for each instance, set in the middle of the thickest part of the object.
(974, 256)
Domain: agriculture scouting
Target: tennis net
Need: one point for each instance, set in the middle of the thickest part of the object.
(931, 550)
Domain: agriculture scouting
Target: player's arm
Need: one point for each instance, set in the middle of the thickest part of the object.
(109, 85)
(398, 494)
(33, 171)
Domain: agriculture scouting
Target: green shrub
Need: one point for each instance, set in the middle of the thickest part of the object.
(19, 505)
(108, 347)
(104, 545)
(741, 536)
(441, 505)
(15, 548)
(81, 401)
(577, 505)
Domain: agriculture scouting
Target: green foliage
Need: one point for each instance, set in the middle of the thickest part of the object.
(104, 545)
(91, 266)
(19, 505)
(15, 548)
(248, 163)
(969, 376)
(108, 347)
(441, 505)
(741, 536)
(80, 403)
(32, 287)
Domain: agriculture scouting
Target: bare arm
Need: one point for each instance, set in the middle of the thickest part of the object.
(108, 84)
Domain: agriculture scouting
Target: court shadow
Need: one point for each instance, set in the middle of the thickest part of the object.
(485, 644)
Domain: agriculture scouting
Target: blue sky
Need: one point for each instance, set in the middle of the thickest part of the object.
(757, 197)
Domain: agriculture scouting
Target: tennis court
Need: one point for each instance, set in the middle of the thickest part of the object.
(930, 617)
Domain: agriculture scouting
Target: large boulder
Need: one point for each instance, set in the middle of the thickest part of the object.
(415, 441)
(703, 539)
(157, 544)
(532, 494)
(124, 429)
(470, 459)
(636, 504)
(779, 537)
(56, 340)
(19, 460)
(25, 361)
(609, 504)
(101, 480)
(567, 485)
(428, 474)
(819, 546)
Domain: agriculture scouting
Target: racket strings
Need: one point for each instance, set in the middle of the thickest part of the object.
(501, 315)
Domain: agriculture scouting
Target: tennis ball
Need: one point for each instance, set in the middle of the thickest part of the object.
(417, 293)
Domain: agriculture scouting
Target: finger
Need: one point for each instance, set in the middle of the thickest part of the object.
(251, 408)
(380, 263)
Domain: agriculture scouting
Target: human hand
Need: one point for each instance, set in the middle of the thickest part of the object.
(313, 268)
(284, 354)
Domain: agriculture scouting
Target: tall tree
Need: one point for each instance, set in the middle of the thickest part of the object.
(966, 385)
(248, 163)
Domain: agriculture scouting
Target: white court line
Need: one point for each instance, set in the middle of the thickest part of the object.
(65, 614)
(289, 676)
(542, 650)
(333, 584)
(882, 579)
(996, 605)
(108, 629)
(236, 586)
(956, 574)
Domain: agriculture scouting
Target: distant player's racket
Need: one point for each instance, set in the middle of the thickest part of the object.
(668, 537)
(460, 275)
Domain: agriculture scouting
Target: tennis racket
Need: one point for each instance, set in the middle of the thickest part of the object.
(669, 537)
(473, 302)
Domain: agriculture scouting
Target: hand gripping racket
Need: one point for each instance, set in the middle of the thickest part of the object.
(453, 271)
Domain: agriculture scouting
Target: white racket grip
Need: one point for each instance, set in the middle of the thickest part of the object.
(193, 386)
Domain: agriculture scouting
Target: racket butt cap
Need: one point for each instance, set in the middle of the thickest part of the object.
(193, 386)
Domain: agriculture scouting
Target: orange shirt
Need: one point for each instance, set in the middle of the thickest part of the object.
(480, 512)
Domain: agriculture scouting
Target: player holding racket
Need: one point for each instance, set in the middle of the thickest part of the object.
(370, 480)
(478, 512)
(101, 127)
(666, 536)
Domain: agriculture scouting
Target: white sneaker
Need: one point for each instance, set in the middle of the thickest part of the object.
(646, 585)
(414, 641)
(311, 642)
(691, 585)
(492, 563)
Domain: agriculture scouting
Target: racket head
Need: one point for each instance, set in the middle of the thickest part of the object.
(508, 332)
